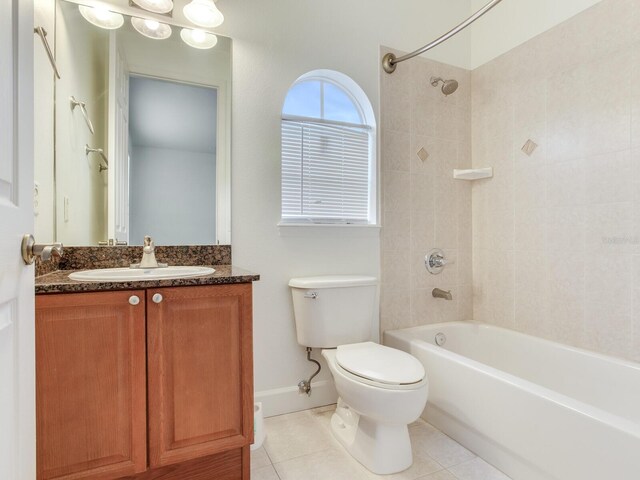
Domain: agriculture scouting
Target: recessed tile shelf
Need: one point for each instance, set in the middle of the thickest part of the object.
(473, 173)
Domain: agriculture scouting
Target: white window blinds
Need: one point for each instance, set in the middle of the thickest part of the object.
(325, 172)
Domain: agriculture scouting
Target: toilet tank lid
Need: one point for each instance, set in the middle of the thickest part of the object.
(333, 281)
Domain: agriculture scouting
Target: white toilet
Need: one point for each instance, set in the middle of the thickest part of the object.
(381, 389)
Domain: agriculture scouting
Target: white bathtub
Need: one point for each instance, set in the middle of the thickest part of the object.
(535, 409)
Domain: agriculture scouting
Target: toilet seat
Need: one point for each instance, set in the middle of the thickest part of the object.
(380, 366)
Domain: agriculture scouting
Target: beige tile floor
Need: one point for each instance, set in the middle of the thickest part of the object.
(300, 446)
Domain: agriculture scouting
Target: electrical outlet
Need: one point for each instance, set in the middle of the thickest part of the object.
(36, 199)
(66, 209)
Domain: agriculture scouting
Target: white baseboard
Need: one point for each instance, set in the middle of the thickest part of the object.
(279, 401)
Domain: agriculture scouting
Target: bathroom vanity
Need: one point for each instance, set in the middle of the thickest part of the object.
(137, 379)
(144, 379)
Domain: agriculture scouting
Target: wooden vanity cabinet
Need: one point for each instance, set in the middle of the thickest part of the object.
(200, 371)
(158, 390)
(90, 385)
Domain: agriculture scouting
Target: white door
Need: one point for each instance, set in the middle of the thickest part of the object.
(17, 349)
(118, 142)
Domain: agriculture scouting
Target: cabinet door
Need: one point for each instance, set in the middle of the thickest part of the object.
(200, 383)
(90, 385)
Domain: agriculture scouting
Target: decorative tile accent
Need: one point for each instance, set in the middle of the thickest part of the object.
(423, 154)
(529, 147)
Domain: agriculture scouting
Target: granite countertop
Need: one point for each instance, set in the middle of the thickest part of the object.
(59, 281)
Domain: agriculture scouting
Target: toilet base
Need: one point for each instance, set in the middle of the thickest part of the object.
(381, 448)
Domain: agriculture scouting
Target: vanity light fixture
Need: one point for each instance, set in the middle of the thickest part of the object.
(155, 6)
(151, 28)
(203, 13)
(101, 17)
(198, 38)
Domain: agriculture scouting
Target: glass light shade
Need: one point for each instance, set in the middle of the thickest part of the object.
(203, 13)
(151, 28)
(155, 6)
(101, 17)
(198, 39)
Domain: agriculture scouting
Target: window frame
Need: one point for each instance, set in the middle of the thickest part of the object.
(365, 110)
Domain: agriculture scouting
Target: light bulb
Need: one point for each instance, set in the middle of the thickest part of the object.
(151, 24)
(101, 17)
(101, 13)
(198, 38)
(150, 28)
(155, 6)
(203, 13)
(198, 35)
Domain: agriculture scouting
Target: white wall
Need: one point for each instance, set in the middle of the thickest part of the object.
(275, 43)
(271, 49)
(513, 22)
(172, 219)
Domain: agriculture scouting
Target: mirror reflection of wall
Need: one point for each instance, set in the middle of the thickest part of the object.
(172, 149)
(83, 55)
(157, 167)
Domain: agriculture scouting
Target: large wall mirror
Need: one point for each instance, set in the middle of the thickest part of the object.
(142, 134)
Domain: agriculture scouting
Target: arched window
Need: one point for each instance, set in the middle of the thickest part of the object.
(328, 152)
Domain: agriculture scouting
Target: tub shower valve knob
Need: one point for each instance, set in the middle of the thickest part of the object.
(435, 261)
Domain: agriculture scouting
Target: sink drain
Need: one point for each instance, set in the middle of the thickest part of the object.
(441, 339)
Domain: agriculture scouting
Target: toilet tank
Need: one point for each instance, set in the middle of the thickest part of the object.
(333, 310)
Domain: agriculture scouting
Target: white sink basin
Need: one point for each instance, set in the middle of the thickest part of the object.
(139, 274)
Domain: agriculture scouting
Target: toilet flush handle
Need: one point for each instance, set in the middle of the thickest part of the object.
(312, 295)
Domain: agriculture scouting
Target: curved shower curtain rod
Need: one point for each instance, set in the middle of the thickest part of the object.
(389, 61)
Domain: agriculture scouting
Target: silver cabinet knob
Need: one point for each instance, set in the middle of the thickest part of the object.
(134, 300)
(157, 298)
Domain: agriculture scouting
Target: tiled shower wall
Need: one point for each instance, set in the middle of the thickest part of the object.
(556, 236)
(423, 207)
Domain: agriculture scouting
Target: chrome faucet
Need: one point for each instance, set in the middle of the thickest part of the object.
(148, 256)
(438, 293)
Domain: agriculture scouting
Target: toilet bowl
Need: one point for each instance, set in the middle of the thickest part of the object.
(376, 404)
(382, 390)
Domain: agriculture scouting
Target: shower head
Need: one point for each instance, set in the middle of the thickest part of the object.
(448, 86)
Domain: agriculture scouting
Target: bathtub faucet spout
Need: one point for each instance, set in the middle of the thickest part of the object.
(438, 293)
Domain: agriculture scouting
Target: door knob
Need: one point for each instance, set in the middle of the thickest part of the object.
(157, 298)
(134, 300)
(30, 250)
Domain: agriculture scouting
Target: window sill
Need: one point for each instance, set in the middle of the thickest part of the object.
(330, 225)
(313, 229)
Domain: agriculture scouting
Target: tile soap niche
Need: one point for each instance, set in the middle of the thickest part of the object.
(473, 173)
